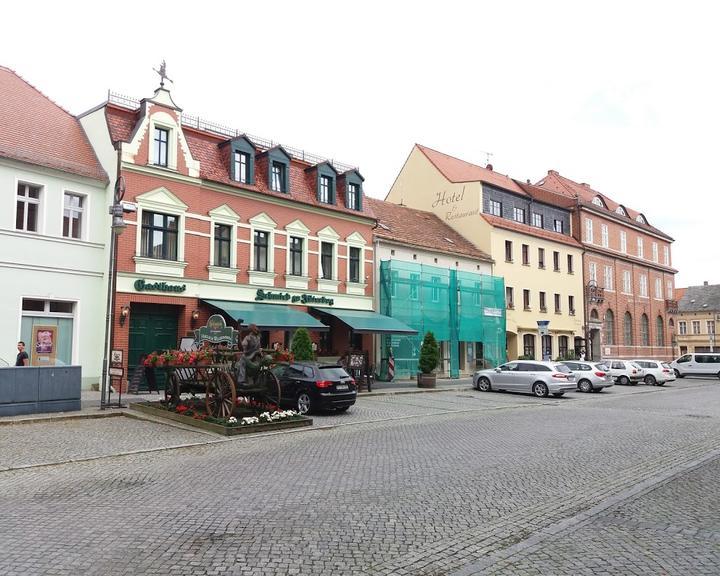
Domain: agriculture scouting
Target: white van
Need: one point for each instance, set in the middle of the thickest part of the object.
(697, 364)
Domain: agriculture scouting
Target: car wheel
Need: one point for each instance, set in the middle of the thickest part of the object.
(585, 386)
(304, 403)
(558, 394)
(624, 380)
(342, 409)
(650, 380)
(484, 385)
(677, 374)
(540, 389)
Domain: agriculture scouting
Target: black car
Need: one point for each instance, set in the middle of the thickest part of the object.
(310, 386)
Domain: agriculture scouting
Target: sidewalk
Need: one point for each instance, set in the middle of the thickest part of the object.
(90, 400)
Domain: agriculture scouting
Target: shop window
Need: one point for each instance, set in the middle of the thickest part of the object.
(47, 330)
(159, 235)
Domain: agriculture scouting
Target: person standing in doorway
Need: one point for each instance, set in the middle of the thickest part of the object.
(22, 357)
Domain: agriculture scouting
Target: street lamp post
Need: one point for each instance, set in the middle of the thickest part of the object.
(116, 228)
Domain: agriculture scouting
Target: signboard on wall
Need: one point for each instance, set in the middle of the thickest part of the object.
(43, 350)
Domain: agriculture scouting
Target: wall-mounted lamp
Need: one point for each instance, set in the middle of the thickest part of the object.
(124, 313)
(194, 316)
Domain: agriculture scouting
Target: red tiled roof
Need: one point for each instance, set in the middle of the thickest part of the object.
(679, 293)
(585, 193)
(206, 148)
(530, 230)
(457, 170)
(422, 229)
(34, 129)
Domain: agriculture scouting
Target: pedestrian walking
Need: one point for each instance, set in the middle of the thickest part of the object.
(22, 358)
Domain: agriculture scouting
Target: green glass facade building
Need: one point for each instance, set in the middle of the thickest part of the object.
(465, 312)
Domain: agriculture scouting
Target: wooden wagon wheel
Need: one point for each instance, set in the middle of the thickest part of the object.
(172, 389)
(270, 386)
(220, 394)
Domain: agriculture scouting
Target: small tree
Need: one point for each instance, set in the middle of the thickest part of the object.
(301, 345)
(429, 354)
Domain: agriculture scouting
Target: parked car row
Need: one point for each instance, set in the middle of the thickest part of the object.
(543, 378)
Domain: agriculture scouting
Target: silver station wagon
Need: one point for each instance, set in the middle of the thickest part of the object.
(530, 376)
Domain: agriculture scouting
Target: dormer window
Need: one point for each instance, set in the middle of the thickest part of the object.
(353, 198)
(278, 169)
(241, 167)
(598, 202)
(353, 189)
(620, 210)
(324, 191)
(640, 219)
(160, 146)
(278, 177)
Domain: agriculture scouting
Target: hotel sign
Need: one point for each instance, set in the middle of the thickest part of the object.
(262, 295)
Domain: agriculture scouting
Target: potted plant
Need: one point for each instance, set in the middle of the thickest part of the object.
(428, 361)
(301, 346)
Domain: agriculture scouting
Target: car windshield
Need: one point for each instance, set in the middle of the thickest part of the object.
(602, 366)
(332, 372)
(562, 368)
(665, 365)
(635, 365)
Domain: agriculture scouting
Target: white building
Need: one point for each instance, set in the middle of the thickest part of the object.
(53, 231)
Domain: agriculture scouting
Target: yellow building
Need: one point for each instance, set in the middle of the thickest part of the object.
(526, 231)
(698, 313)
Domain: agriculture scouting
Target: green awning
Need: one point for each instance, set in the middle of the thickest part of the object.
(368, 321)
(267, 316)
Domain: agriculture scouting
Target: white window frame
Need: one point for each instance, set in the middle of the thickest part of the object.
(262, 223)
(696, 327)
(40, 224)
(84, 211)
(643, 286)
(238, 165)
(592, 271)
(161, 200)
(157, 121)
(670, 291)
(608, 278)
(640, 247)
(710, 325)
(666, 255)
(682, 328)
(328, 235)
(355, 240)
(604, 236)
(658, 288)
(227, 216)
(45, 313)
(589, 231)
(623, 241)
(492, 204)
(627, 282)
(297, 229)
(655, 252)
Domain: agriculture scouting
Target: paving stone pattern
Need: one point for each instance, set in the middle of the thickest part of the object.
(423, 484)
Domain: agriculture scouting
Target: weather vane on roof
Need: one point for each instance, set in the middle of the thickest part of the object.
(163, 75)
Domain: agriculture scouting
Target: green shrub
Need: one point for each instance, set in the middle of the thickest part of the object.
(429, 354)
(301, 345)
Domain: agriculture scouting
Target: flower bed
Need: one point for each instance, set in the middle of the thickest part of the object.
(245, 419)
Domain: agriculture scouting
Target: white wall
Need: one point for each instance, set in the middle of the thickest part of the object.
(44, 265)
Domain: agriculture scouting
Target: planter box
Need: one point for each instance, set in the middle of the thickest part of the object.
(426, 380)
(154, 410)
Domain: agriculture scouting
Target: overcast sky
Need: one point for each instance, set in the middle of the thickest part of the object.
(622, 95)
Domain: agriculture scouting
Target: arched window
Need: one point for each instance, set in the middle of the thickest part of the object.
(529, 345)
(609, 327)
(644, 331)
(594, 314)
(627, 329)
(660, 331)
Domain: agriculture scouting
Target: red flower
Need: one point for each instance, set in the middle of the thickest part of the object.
(180, 409)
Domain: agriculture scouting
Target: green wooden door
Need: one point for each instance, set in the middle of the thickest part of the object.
(152, 327)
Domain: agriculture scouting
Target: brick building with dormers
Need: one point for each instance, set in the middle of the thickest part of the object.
(233, 224)
(628, 274)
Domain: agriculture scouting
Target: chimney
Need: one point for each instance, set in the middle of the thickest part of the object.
(705, 283)
(489, 167)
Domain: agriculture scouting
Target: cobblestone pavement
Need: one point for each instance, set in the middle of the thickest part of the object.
(455, 482)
